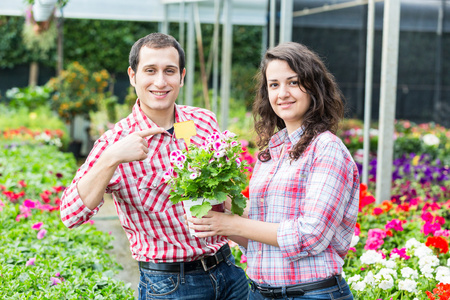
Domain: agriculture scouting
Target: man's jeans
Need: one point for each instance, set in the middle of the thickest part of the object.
(225, 281)
(338, 292)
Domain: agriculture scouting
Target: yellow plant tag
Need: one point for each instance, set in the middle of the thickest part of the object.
(185, 130)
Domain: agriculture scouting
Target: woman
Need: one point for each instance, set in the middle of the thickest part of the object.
(305, 185)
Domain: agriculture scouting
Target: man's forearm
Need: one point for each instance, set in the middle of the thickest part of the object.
(92, 185)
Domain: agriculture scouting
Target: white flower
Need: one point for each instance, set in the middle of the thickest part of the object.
(408, 272)
(355, 240)
(412, 243)
(407, 285)
(430, 260)
(385, 281)
(193, 176)
(386, 271)
(369, 279)
(371, 257)
(389, 264)
(359, 286)
(354, 278)
(430, 139)
(423, 251)
(442, 273)
(427, 271)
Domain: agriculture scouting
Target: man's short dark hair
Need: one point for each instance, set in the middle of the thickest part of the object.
(155, 40)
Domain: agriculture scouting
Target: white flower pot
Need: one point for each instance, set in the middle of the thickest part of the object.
(43, 9)
(187, 204)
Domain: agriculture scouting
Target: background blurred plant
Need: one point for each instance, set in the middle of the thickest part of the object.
(77, 92)
(24, 126)
(31, 97)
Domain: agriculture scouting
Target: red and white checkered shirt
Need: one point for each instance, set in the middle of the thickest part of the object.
(154, 225)
(315, 200)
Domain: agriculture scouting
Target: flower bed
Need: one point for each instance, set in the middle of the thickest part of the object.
(39, 257)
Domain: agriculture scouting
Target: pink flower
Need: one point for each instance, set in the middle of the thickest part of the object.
(394, 224)
(377, 211)
(442, 232)
(31, 262)
(430, 228)
(55, 281)
(90, 222)
(37, 226)
(376, 233)
(29, 203)
(193, 176)
(41, 234)
(373, 244)
(243, 259)
(352, 249)
(238, 162)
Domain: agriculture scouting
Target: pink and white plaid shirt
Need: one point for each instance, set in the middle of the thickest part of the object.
(315, 200)
(154, 225)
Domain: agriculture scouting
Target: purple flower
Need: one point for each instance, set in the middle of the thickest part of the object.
(41, 234)
(31, 261)
(55, 281)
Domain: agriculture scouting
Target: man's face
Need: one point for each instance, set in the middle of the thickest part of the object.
(157, 80)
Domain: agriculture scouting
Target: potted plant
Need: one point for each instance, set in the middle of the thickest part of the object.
(77, 92)
(205, 176)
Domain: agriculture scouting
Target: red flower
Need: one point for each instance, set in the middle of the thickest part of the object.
(246, 192)
(438, 243)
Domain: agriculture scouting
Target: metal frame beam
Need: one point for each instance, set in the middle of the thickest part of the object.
(325, 8)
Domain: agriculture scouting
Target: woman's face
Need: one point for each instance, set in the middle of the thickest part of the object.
(286, 96)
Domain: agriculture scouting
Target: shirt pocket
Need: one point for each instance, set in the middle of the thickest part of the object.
(153, 193)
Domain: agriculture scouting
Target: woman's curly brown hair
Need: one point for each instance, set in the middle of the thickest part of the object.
(325, 111)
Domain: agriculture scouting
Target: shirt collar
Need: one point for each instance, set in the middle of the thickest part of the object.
(143, 122)
(282, 137)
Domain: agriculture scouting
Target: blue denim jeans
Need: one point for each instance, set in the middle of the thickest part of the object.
(338, 292)
(225, 281)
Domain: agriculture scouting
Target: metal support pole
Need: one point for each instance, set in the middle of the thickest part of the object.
(389, 66)
(164, 24)
(181, 41)
(227, 41)
(438, 65)
(287, 7)
(190, 62)
(272, 23)
(216, 56)
(368, 87)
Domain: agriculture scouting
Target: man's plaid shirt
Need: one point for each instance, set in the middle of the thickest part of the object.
(154, 225)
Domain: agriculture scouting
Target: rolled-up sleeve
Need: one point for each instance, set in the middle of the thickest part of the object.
(72, 209)
(327, 193)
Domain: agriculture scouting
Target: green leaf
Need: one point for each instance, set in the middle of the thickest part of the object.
(199, 211)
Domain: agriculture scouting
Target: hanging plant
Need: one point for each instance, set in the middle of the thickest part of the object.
(39, 37)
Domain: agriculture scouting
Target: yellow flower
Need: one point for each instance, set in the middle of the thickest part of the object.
(415, 160)
(33, 115)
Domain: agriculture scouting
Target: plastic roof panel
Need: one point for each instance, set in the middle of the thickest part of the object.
(248, 12)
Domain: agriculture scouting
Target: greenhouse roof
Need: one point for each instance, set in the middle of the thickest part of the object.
(248, 12)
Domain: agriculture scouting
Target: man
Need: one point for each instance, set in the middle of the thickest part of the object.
(129, 161)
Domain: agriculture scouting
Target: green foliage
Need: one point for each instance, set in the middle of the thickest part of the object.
(12, 48)
(103, 44)
(30, 97)
(211, 171)
(74, 258)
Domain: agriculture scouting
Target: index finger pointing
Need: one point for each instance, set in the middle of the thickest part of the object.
(151, 131)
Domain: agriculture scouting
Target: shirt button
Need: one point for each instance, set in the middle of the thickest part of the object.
(174, 139)
(154, 185)
(262, 199)
(259, 252)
